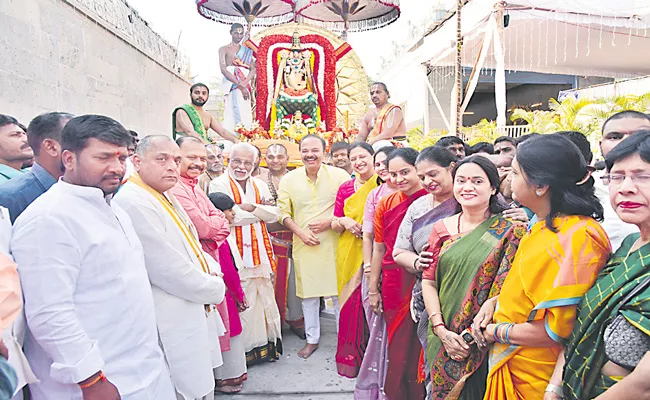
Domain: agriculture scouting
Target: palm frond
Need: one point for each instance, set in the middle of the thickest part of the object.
(239, 8)
(256, 9)
(247, 7)
(335, 8)
(353, 7)
(263, 10)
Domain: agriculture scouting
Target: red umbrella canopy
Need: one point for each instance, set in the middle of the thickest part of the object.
(348, 15)
(254, 12)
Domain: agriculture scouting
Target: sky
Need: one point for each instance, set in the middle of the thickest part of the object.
(199, 38)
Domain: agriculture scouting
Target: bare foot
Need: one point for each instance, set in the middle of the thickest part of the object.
(229, 389)
(307, 351)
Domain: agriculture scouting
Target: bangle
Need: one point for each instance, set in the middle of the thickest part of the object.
(433, 328)
(366, 266)
(551, 388)
(508, 329)
(372, 293)
(101, 377)
(415, 262)
(433, 314)
(496, 330)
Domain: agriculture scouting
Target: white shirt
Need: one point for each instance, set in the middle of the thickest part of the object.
(5, 230)
(262, 213)
(616, 229)
(180, 291)
(14, 336)
(87, 296)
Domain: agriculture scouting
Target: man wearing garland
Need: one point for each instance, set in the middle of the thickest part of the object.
(193, 120)
(237, 65)
(255, 209)
(186, 282)
(383, 123)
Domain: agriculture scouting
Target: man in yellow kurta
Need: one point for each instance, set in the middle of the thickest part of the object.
(306, 199)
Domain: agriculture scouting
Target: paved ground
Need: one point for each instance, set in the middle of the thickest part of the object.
(293, 378)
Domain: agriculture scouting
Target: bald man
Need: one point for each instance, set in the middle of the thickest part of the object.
(186, 282)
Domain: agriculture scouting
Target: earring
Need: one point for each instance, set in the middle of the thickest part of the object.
(538, 193)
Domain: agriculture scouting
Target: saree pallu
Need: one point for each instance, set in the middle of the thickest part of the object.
(420, 232)
(550, 274)
(353, 330)
(585, 354)
(404, 350)
(281, 241)
(468, 270)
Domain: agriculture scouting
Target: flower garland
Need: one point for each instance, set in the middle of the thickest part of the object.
(256, 132)
(326, 100)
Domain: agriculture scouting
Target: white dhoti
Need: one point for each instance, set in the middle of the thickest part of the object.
(261, 327)
(236, 109)
(233, 370)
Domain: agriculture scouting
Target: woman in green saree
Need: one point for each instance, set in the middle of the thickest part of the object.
(611, 338)
(472, 253)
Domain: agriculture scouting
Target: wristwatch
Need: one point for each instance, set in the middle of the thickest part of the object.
(551, 388)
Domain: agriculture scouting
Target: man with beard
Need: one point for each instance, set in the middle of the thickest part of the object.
(277, 159)
(213, 229)
(184, 280)
(340, 152)
(193, 120)
(306, 199)
(255, 208)
(215, 166)
(14, 148)
(44, 137)
(83, 272)
(383, 123)
(237, 64)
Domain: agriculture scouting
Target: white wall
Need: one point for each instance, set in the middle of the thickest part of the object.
(60, 55)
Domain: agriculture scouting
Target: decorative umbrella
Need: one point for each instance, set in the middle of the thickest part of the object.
(349, 15)
(254, 12)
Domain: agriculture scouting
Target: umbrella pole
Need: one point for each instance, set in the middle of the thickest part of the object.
(249, 20)
(459, 69)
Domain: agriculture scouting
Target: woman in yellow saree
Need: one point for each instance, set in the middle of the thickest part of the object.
(555, 265)
(348, 217)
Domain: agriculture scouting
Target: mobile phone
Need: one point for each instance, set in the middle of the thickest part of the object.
(467, 336)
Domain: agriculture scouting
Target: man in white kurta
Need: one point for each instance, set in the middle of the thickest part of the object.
(88, 300)
(261, 321)
(183, 278)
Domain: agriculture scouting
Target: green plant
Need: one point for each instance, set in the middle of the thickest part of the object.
(418, 140)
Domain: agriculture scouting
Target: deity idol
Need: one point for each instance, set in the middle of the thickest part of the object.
(295, 88)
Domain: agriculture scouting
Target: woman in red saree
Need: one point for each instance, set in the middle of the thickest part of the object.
(348, 216)
(394, 297)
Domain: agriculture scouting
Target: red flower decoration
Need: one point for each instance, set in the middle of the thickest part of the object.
(326, 101)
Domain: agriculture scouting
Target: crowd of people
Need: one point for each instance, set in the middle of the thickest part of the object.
(149, 268)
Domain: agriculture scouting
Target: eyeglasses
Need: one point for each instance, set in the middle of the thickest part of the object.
(618, 179)
(235, 162)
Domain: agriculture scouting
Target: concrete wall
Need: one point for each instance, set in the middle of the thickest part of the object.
(84, 56)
